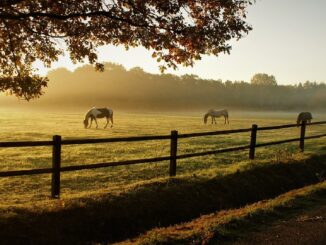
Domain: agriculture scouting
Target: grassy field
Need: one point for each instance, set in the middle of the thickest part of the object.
(225, 227)
(28, 190)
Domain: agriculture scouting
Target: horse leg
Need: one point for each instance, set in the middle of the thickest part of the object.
(107, 122)
(111, 118)
(90, 125)
(96, 122)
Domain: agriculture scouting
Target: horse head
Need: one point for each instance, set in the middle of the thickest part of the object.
(85, 123)
(205, 117)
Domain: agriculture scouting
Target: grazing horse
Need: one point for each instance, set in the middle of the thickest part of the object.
(213, 114)
(304, 116)
(98, 113)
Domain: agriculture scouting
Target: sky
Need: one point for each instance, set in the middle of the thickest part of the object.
(287, 41)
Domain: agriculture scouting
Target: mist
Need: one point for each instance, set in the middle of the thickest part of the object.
(136, 89)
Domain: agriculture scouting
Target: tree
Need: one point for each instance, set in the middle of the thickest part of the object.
(177, 32)
(263, 79)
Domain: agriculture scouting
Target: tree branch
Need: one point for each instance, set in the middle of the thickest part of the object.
(107, 14)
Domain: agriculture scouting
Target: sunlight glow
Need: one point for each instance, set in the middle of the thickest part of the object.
(289, 47)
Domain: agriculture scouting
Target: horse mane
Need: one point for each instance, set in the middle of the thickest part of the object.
(88, 112)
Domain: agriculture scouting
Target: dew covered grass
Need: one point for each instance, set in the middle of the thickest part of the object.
(36, 125)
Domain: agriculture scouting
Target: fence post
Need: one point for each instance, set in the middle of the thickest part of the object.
(173, 153)
(302, 134)
(253, 141)
(56, 162)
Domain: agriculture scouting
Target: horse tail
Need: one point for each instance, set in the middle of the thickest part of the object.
(227, 115)
(112, 117)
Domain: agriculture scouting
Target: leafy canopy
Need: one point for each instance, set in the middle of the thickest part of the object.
(263, 79)
(176, 31)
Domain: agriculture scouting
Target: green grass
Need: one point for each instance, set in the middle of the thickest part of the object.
(28, 190)
(231, 224)
(115, 215)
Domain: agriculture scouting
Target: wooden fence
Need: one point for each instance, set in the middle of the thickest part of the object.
(57, 143)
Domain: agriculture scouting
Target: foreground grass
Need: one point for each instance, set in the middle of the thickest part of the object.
(117, 215)
(232, 224)
(114, 204)
(28, 190)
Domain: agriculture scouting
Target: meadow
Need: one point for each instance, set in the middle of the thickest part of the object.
(37, 125)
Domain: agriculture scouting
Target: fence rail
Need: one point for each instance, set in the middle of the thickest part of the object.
(57, 143)
(233, 131)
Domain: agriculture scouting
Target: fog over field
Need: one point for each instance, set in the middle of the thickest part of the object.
(137, 90)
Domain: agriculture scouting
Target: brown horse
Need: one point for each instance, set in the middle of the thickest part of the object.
(304, 116)
(98, 113)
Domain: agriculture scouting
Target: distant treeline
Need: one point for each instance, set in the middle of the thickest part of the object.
(136, 89)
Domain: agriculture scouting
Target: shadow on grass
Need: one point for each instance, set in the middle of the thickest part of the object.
(176, 200)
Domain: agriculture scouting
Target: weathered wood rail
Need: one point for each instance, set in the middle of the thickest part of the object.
(57, 144)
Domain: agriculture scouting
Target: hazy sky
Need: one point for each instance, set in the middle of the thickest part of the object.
(287, 41)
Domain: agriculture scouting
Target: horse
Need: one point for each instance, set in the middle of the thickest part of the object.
(94, 113)
(213, 114)
(304, 116)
